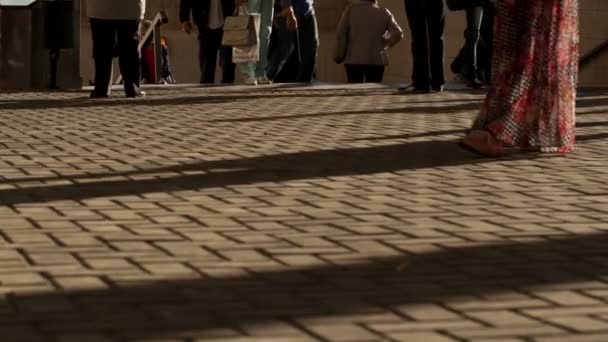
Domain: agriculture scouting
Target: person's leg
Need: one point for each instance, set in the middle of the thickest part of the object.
(487, 38)
(212, 40)
(266, 16)
(128, 41)
(309, 44)
(228, 68)
(201, 53)
(103, 36)
(354, 73)
(285, 40)
(436, 28)
(248, 69)
(374, 73)
(456, 66)
(417, 20)
(469, 67)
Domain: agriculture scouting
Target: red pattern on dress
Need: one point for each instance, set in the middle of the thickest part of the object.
(531, 103)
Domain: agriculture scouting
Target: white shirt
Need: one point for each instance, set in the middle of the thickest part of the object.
(216, 15)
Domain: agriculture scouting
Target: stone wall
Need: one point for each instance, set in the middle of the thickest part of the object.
(184, 48)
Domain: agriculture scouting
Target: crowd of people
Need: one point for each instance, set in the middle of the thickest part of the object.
(289, 40)
(291, 23)
(525, 51)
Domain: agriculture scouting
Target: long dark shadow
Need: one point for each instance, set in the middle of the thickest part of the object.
(591, 124)
(412, 135)
(193, 99)
(274, 168)
(282, 167)
(590, 137)
(591, 101)
(185, 307)
(402, 110)
(461, 131)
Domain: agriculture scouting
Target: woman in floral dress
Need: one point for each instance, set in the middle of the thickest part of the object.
(531, 102)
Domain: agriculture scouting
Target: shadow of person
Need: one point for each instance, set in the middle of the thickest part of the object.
(272, 168)
(195, 306)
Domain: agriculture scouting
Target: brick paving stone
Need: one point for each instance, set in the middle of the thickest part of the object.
(502, 318)
(599, 337)
(421, 336)
(319, 213)
(343, 332)
(567, 298)
(580, 324)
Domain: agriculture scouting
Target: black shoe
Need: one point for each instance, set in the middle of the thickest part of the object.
(411, 88)
(439, 89)
(96, 95)
(474, 84)
(137, 93)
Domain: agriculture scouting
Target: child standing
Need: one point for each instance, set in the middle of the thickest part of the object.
(365, 33)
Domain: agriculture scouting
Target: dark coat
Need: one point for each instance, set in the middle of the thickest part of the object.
(198, 10)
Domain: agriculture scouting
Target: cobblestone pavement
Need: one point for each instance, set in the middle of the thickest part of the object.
(293, 214)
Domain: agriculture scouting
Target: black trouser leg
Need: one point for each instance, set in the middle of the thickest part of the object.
(417, 20)
(309, 44)
(436, 29)
(228, 68)
(374, 73)
(283, 49)
(201, 54)
(487, 38)
(128, 54)
(355, 73)
(103, 35)
(469, 67)
(458, 61)
(210, 42)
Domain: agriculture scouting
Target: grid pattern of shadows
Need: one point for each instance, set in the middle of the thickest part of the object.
(293, 214)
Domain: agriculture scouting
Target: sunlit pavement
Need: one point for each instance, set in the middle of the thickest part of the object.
(319, 213)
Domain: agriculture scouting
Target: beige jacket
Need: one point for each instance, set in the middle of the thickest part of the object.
(365, 33)
(116, 9)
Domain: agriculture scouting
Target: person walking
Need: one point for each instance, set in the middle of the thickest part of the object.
(426, 20)
(531, 101)
(255, 73)
(296, 29)
(365, 33)
(116, 23)
(485, 46)
(209, 17)
(465, 65)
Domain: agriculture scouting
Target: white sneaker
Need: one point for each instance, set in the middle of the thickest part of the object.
(264, 80)
(251, 81)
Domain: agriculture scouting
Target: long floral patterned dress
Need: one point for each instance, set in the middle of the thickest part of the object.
(531, 103)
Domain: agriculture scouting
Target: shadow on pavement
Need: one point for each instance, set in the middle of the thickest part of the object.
(465, 106)
(462, 131)
(193, 99)
(187, 307)
(413, 135)
(273, 168)
(590, 137)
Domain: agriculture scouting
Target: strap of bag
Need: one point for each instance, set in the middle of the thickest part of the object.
(242, 10)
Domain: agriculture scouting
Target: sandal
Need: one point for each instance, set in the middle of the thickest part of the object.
(483, 143)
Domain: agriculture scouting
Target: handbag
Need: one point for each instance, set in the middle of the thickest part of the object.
(240, 30)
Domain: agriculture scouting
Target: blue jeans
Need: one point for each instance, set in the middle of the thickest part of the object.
(308, 35)
(472, 33)
(266, 10)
